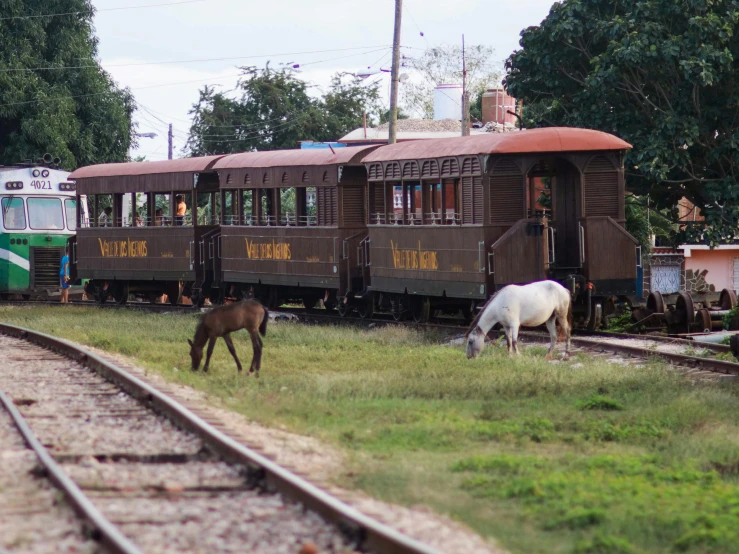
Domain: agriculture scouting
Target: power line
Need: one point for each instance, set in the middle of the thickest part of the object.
(196, 60)
(100, 10)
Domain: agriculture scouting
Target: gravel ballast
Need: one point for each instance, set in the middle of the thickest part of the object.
(157, 483)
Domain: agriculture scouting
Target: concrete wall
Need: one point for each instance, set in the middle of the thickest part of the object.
(718, 265)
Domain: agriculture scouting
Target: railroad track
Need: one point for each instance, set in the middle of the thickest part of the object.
(147, 474)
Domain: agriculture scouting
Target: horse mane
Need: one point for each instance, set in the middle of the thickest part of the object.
(478, 317)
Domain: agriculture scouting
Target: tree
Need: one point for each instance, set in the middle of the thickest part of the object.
(54, 95)
(658, 73)
(275, 111)
(443, 65)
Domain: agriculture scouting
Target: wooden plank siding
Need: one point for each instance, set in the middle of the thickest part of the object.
(521, 254)
(610, 251)
(140, 253)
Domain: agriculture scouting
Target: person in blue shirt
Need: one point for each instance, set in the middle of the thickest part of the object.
(64, 276)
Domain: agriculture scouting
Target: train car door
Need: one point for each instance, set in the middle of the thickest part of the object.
(566, 213)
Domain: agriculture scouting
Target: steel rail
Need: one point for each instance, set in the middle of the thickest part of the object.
(709, 364)
(366, 533)
(107, 533)
(714, 347)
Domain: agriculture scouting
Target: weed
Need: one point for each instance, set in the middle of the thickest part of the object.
(600, 402)
(608, 459)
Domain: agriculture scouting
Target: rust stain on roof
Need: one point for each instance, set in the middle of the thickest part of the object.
(352, 155)
(182, 165)
(550, 139)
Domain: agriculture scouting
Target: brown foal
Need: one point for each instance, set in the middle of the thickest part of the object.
(224, 320)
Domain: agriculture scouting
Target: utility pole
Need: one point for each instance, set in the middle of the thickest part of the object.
(169, 140)
(394, 83)
(465, 96)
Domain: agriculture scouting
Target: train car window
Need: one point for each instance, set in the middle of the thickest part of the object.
(70, 211)
(182, 208)
(414, 204)
(207, 208)
(162, 215)
(14, 214)
(450, 198)
(376, 203)
(288, 207)
(267, 215)
(310, 212)
(103, 211)
(45, 213)
(247, 207)
(230, 208)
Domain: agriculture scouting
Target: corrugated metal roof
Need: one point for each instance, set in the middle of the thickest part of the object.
(291, 158)
(550, 139)
(182, 165)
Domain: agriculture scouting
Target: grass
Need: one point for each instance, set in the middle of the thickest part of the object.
(584, 456)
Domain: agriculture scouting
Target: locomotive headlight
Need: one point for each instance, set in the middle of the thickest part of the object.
(45, 173)
(68, 186)
(14, 185)
(35, 173)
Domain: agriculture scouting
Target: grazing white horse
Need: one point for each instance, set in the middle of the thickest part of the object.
(528, 305)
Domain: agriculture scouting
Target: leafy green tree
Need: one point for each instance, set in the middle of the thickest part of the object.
(275, 111)
(54, 95)
(659, 73)
(443, 65)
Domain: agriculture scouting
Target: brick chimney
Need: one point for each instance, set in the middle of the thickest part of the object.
(496, 103)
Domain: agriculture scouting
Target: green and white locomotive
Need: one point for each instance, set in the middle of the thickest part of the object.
(39, 214)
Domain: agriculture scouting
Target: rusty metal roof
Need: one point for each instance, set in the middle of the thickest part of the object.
(352, 155)
(546, 140)
(183, 165)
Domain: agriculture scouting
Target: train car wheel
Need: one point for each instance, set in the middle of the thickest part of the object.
(684, 307)
(704, 319)
(468, 311)
(655, 303)
(596, 317)
(728, 299)
(421, 309)
(310, 301)
(120, 294)
(366, 308)
(343, 308)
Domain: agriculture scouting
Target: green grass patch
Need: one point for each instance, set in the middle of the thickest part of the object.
(581, 456)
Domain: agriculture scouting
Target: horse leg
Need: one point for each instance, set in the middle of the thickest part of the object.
(565, 325)
(514, 339)
(256, 344)
(232, 349)
(211, 346)
(508, 338)
(552, 328)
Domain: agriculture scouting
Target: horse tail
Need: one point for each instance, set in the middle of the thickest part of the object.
(263, 324)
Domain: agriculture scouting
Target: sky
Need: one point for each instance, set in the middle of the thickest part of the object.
(165, 51)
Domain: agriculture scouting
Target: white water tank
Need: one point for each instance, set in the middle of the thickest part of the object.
(448, 102)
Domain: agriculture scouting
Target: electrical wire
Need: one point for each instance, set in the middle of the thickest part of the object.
(100, 10)
(26, 102)
(195, 60)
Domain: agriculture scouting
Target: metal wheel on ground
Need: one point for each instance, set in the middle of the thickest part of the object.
(310, 301)
(655, 303)
(704, 318)
(685, 310)
(727, 299)
(596, 317)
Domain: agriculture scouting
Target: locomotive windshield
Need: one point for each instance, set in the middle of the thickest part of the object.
(70, 208)
(45, 213)
(14, 215)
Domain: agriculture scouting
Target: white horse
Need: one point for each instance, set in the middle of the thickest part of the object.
(528, 305)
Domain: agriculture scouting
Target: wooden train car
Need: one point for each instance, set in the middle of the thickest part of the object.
(149, 228)
(291, 224)
(453, 220)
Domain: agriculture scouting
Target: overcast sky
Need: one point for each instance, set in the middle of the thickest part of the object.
(323, 36)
